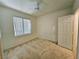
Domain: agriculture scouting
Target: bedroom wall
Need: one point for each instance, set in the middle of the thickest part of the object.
(47, 24)
(76, 5)
(9, 40)
(76, 34)
(76, 10)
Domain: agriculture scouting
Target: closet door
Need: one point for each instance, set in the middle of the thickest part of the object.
(65, 31)
(0, 50)
(0, 53)
(0, 46)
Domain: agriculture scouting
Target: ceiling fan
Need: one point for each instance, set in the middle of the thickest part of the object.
(39, 4)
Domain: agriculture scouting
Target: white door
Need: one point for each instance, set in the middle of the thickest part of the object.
(65, 31)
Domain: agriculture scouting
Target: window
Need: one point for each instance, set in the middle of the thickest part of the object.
(21, 26)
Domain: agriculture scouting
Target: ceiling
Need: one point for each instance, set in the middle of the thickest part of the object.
(46, 6)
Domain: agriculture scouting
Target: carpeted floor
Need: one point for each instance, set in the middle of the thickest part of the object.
(40, 49)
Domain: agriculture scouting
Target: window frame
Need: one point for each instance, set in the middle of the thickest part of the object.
(22, 26)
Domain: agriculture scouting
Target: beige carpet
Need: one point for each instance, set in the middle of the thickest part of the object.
(40, 49)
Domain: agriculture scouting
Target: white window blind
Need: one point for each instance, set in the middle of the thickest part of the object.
(27, 26)
(21, 26)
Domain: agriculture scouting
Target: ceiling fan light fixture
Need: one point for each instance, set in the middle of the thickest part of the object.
(37, 6)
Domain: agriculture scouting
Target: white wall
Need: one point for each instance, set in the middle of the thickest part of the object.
(76, 5)
(6, 16)
(47, 24)
(76, 8)
(77, 31)
(78, 43)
